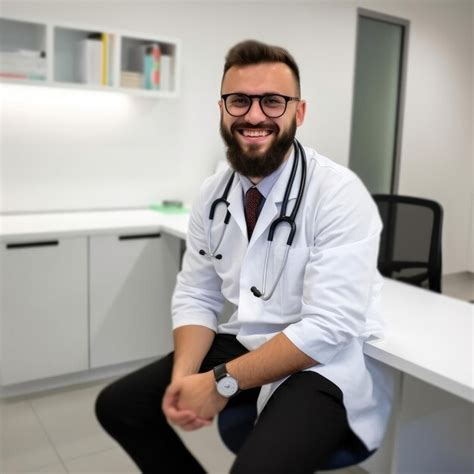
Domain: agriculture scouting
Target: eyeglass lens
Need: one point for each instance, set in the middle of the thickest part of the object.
(273, 106)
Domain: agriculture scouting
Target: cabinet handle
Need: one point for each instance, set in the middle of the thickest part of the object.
(140, 236)
(44, 243)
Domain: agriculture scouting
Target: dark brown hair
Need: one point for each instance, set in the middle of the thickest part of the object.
(250, 52)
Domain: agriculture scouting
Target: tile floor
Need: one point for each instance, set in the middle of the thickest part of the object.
(56, 431)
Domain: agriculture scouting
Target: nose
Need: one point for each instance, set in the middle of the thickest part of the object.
(255, 114)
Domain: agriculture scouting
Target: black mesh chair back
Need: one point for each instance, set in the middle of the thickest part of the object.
(410, 245)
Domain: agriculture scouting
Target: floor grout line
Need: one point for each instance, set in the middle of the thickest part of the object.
(47, 436)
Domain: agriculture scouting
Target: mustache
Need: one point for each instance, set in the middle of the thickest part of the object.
(262, 125)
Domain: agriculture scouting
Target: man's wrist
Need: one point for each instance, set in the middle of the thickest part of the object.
(226, 385)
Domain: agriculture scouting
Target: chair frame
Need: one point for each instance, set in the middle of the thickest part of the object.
(434, 267)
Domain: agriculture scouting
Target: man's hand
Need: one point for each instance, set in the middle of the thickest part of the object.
(184, 418)
(199, 394)
(191, 402)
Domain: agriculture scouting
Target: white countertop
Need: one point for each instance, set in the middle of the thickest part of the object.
(15, 228)
(429, 336)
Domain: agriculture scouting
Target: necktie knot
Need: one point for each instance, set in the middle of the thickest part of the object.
(253, 198)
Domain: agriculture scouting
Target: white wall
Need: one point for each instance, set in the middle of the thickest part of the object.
(75, 149)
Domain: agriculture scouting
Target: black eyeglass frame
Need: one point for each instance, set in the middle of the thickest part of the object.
(260, 97)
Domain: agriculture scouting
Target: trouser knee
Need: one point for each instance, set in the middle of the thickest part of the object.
(106, 409)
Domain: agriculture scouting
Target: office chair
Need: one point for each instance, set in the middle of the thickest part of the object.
(410, 244)
(236, 422)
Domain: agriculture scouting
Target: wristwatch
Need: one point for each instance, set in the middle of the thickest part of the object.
(226, 385)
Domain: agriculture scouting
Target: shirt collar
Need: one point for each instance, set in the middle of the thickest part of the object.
(266, 184)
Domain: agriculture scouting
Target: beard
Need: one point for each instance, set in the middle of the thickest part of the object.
(251, 163)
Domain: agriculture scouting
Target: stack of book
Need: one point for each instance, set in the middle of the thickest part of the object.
(23, 64)
(131, 79)
(155, 66)
(95, 59)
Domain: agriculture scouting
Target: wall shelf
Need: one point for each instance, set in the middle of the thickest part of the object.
(89, 58)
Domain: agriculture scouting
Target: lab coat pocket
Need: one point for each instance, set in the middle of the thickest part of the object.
(289, 290)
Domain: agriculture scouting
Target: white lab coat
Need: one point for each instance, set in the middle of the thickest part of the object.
(327, 300)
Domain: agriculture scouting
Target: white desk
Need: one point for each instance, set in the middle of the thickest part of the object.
(429, 338)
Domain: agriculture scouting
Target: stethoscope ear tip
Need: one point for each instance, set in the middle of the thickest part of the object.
(201, 252)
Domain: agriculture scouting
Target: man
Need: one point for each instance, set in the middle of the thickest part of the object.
(298, 354)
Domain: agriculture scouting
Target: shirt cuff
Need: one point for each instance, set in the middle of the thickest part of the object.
(206, 320)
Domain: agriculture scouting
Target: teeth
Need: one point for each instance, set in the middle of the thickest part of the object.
(256, 133)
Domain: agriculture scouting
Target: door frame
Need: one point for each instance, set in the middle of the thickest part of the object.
(405, 24)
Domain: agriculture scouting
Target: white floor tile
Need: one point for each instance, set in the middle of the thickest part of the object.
(51, 469)
(206, 446)
(25, 445)
(69, 419)
(111, 460)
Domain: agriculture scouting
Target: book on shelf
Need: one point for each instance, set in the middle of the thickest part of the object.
(131, 79)
(151, 67)
(166, 66)
(104, 60)
(90, 58)
(23, 64)
(96, 59)
(111, 52)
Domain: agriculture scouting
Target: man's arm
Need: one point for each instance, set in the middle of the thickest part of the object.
(191, 344)
(272, 361)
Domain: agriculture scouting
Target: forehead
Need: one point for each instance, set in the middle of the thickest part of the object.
(259, 78)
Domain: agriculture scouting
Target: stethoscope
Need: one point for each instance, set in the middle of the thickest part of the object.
(300, 155)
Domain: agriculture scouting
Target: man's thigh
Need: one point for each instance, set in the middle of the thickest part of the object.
(302, 423)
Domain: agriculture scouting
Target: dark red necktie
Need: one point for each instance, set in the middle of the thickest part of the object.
(252, 204)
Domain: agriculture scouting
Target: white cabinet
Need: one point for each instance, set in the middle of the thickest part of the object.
(132, 277)
(43, 309)
(88, 57)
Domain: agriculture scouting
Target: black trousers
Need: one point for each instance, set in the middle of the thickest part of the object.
(301, 424)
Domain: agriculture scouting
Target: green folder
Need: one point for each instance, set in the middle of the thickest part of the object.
(169, 209)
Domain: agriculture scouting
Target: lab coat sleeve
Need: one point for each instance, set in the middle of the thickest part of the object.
(340, 273)
(197, 298)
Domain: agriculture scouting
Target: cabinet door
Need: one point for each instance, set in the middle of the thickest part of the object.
(44, 309)
(132, 278)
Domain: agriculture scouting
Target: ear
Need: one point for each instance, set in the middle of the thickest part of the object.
(220, 103)
(300, 112)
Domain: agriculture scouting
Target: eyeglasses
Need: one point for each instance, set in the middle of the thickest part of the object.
(272, 105)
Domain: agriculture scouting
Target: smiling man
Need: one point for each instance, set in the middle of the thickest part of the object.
(290, 219)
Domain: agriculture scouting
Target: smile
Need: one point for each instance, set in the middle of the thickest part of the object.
(255, 132)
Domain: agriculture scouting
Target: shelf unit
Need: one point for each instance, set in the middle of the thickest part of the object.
(85, 57)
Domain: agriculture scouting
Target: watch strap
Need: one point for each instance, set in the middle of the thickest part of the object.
(220, 371)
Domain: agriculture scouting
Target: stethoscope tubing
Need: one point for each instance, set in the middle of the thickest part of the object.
(300, 155)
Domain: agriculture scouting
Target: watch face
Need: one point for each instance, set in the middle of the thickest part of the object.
(227, 386)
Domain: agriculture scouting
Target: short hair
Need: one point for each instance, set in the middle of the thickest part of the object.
(251, 52)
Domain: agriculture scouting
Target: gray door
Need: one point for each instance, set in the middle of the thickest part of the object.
(378, 96)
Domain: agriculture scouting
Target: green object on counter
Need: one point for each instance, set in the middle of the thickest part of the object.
(167, 209)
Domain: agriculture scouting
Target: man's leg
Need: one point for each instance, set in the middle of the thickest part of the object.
(302, 423)
(129, 409)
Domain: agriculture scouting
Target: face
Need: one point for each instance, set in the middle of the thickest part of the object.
(257, 145)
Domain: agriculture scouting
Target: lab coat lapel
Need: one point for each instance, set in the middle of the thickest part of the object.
(236, 206)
